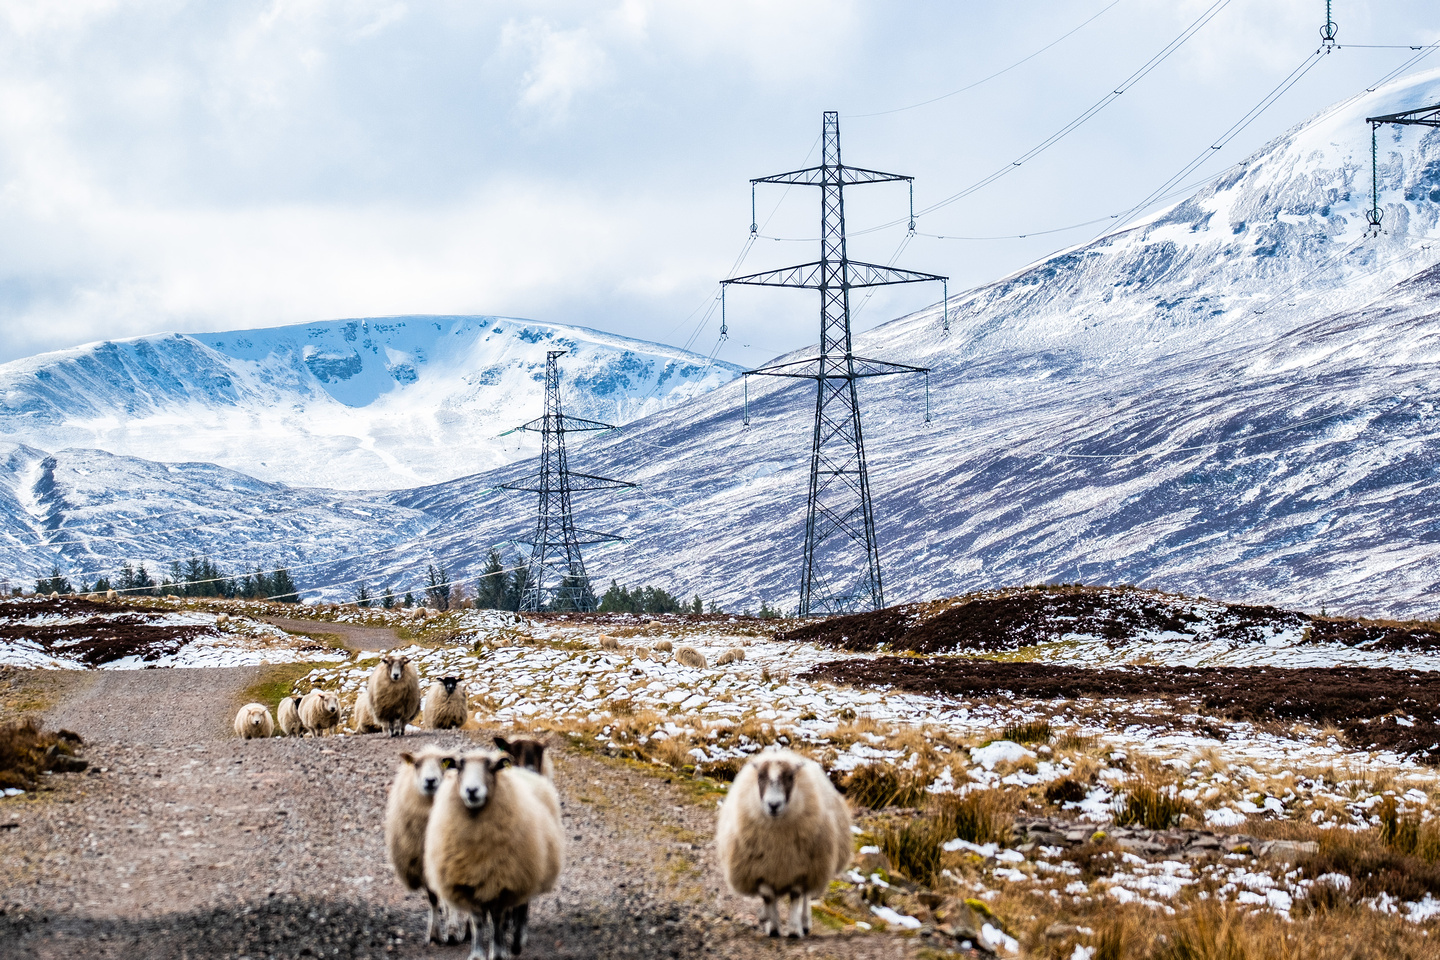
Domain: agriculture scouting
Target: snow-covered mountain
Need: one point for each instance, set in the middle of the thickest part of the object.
(1236, 396)
(356, 404)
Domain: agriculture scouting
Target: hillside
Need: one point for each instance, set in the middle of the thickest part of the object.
(355, 404)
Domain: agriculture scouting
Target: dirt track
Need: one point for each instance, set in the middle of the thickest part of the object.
(182, 841)
(351, 635)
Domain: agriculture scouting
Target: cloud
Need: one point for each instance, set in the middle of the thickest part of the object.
(561, 64)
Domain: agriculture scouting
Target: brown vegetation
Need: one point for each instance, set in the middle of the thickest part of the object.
(27, 751)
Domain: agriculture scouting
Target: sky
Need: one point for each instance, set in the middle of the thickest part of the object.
(188, 166)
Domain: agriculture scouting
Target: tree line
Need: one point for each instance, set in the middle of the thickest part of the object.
(196, 577)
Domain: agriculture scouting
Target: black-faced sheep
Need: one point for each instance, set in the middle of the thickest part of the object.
(394, 688)
(690, 657)
(733, 655)
(253, 721)
(288, 713)
(319, 712)
(530, 754)
(783, 829)
(365, 721)
(445, 704)
(493, 843)
(407, 812)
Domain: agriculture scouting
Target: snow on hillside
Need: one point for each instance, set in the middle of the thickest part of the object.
(355, 404)
(1234, 397)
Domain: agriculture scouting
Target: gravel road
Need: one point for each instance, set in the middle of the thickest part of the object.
(184, 842)
(351, 635)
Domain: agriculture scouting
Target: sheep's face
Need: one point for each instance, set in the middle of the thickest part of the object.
(257, 717)
(428, 769)
(395, 667)
(529, 754)
(477, 778)
(450, 683)
(330, 703)
(776, 780)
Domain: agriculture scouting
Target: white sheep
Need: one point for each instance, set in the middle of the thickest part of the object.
(111, 595)
(690, 657)
(394, 688)
(493, 843)
(319, 712)
(664, 646)
(407, 812)
(733, 655)
(608, 642)
(288, 713)
(222, 620)
(364, 717)
(783, 829)
(253, 721)
(445, 704)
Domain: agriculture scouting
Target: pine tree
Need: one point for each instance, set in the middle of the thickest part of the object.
(55, 584)
(282, 588)
(143, 583)
(103, 585)
(437, 587)
(696, 607)
(362, 596)
(409, 599)
(491, 589)
(387, 599)
(519, 583)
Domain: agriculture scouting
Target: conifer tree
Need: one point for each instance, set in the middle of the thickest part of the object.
(387, 599)
(282, 588)
(362, 596)
(437, 587)
(491, 588)
(519, 582)
(409, 599)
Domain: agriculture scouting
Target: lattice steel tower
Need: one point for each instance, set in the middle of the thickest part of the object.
(555, 546)
(841, 568)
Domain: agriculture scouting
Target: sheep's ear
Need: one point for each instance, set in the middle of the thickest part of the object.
(447, 763)
(458, 762)
(500, 762)
(503, 744)
(408, 758)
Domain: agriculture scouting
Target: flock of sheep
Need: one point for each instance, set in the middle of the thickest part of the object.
(479, 831)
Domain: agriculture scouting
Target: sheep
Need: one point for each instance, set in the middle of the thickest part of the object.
(288, 713)
(111, 595)
(530, 754)
(365, 721)
(222, 620)
(783, 829)
(690, 657)
(445, 704)
(608, 642)
(733, 655)
(663, 645)
(493, 843)
(319, 712)
(394, 688)
(254, 721)
(407, 812)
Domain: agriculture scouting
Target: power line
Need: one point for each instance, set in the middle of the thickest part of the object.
(972, 86)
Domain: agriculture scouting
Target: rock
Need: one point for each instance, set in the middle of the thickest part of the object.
(873, 862)
(1059, 931)
(1289, 851)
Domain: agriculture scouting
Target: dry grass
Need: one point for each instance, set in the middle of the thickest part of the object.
(1157, 808)
(914, 844)
(27, 751)
(882, 785)
(1033, 731)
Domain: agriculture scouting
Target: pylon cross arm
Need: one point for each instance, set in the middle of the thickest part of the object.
(832, 174)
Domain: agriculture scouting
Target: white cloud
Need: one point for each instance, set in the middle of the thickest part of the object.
(561, 65)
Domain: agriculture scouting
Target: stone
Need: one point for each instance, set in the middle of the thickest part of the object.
(1289, 851)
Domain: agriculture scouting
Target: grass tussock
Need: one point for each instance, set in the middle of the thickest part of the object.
(1033, 731)
(881, 785)
(1156, 808)
(27, 751)
(915, 845)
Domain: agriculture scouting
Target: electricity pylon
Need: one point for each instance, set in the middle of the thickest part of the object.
(839, 520)
(555, 545)
(1423, 117)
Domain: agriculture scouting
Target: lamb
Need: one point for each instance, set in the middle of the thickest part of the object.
(530, 754)
(394, 688)
(608, 642)
(365, 721)
(663, 645)
(690, 657)
(407, 812)
(254, 721)
(733, 655)
(492, 844)
(288, 714)
(783, 829)
(445, 704)
(319, 712)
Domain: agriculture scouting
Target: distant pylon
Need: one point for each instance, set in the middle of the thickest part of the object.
(839, 520)
(1422, 117)
(555, 545)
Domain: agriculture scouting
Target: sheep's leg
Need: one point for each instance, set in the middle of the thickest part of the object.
(804, 913)
(483, 946)
(502, 920)
(519, 926)
(457, 925)
(798, 903)
(433, 933)
(770, 921)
